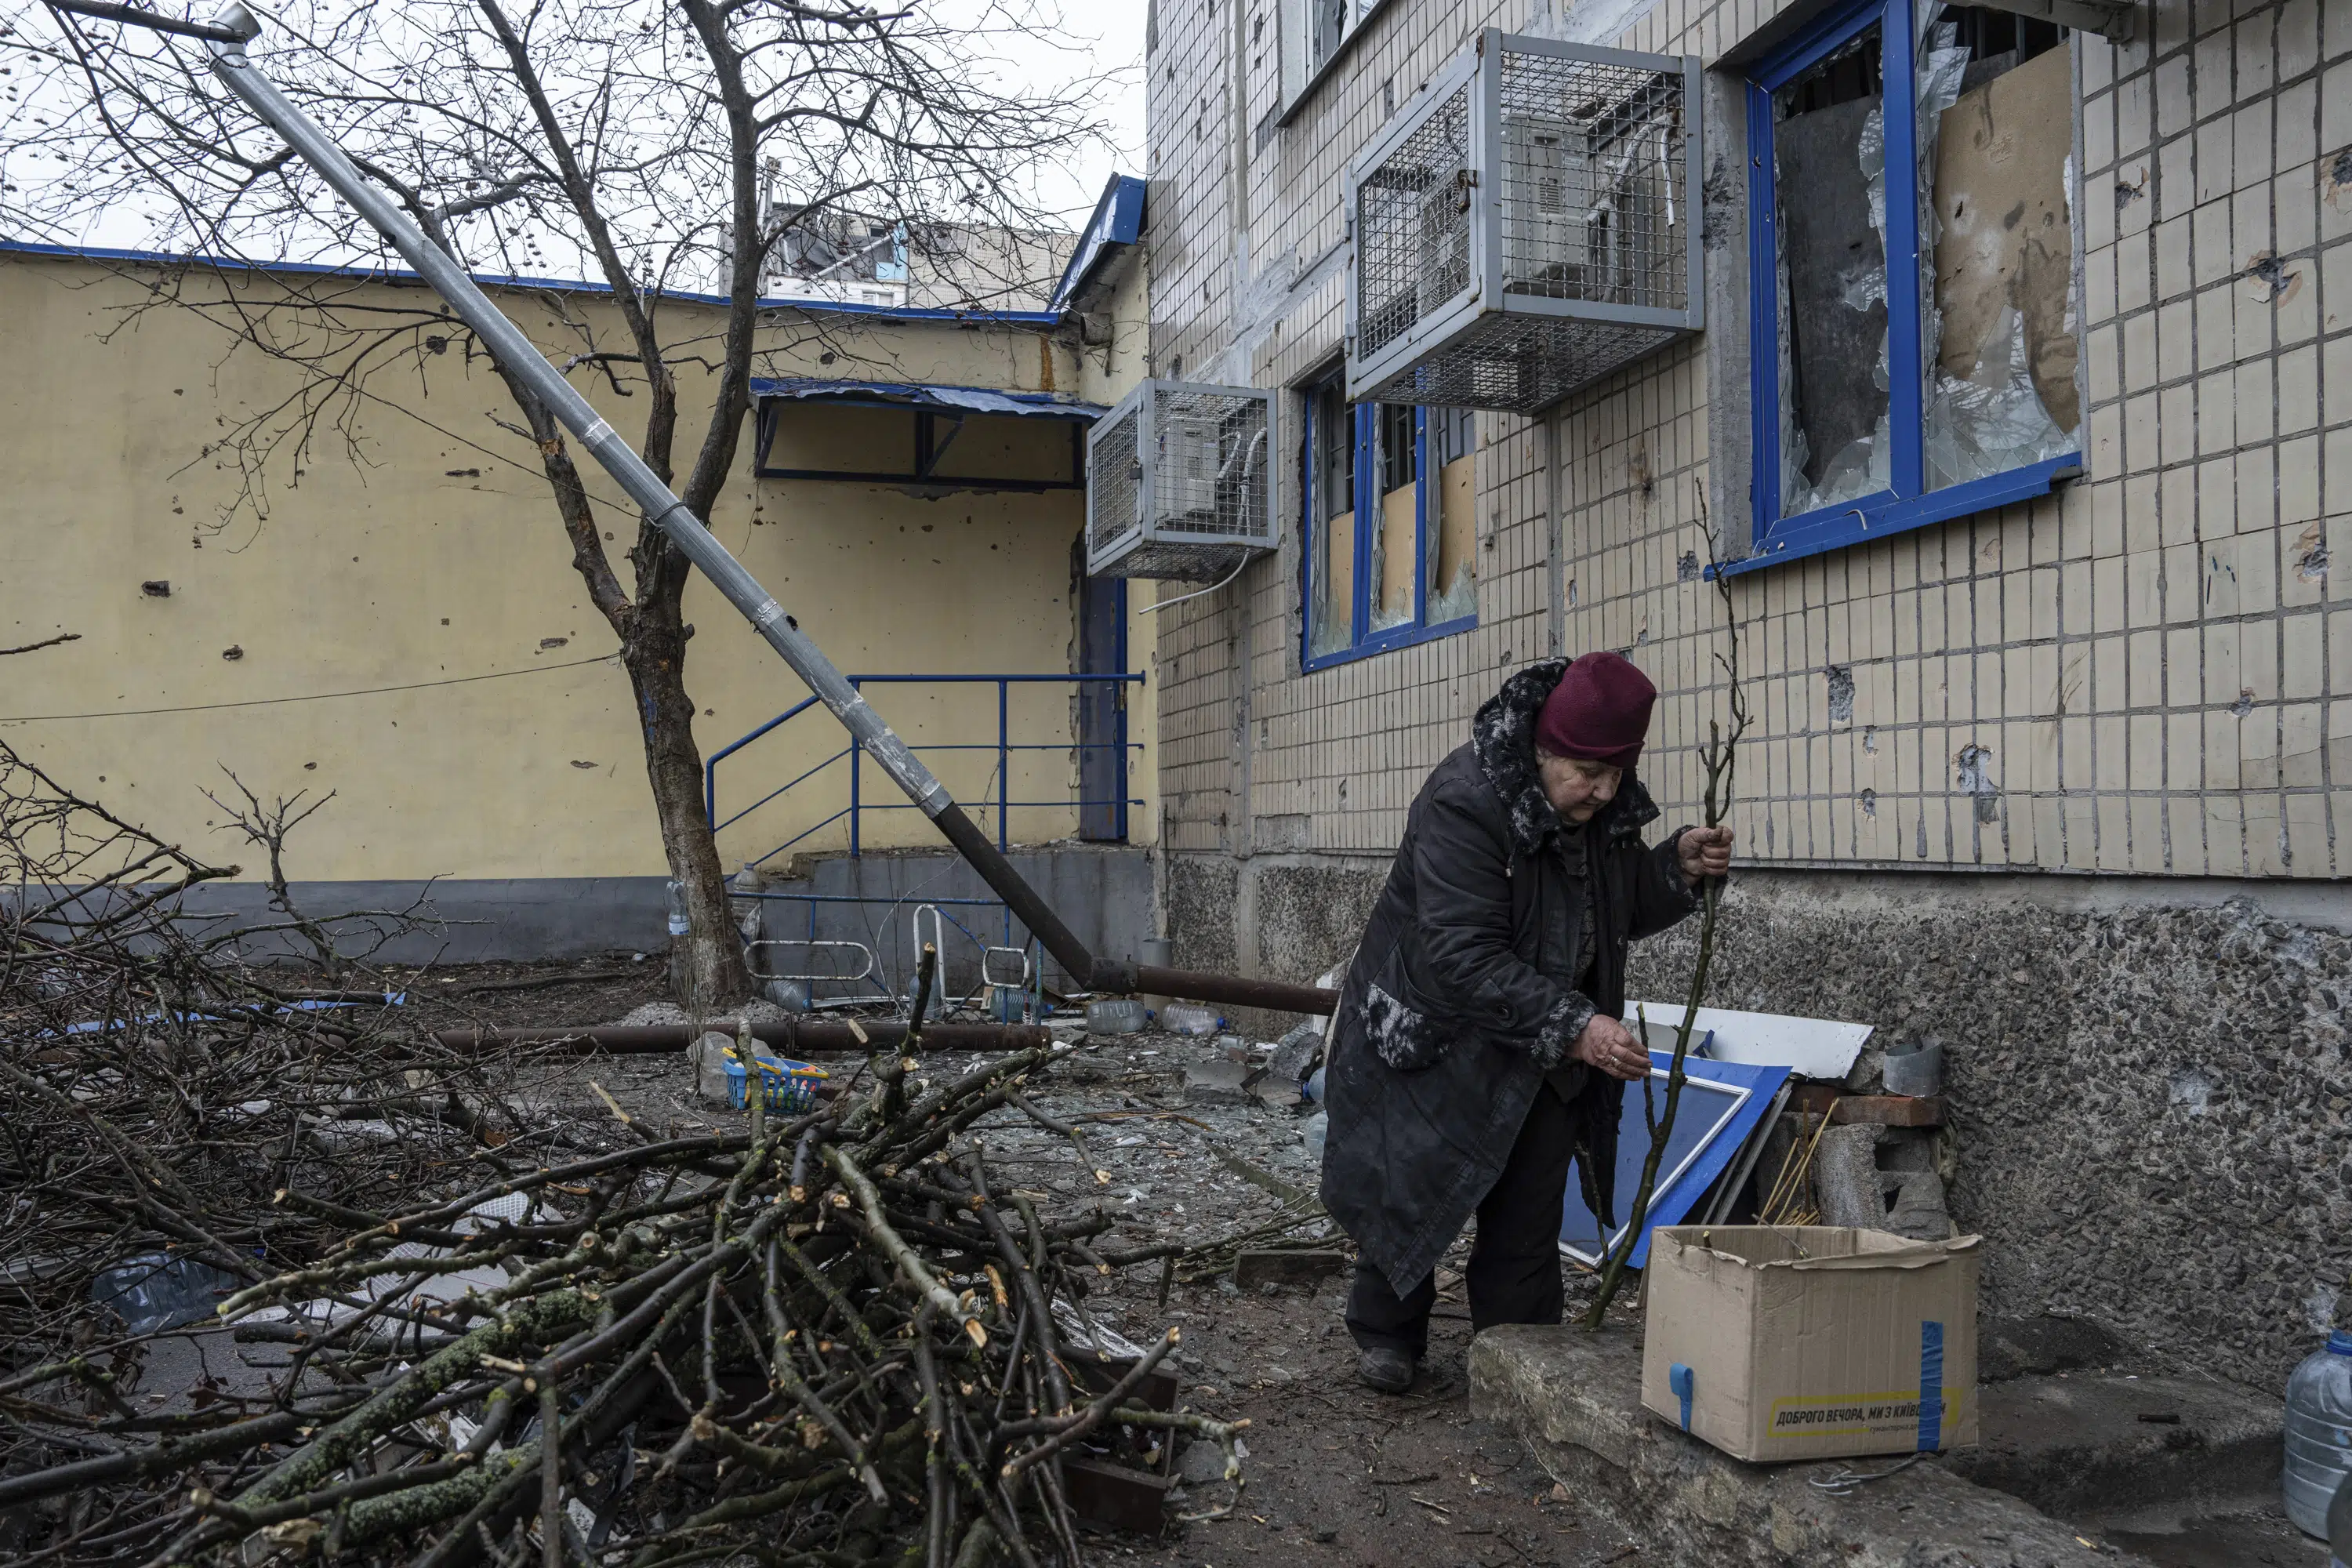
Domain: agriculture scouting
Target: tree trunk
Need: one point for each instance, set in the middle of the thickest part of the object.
(706, 971)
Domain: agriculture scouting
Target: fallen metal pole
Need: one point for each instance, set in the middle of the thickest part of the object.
(226, 35)
(790, 1035)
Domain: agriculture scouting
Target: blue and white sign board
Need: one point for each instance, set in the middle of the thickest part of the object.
(1722, 1104)
(1811, 1048)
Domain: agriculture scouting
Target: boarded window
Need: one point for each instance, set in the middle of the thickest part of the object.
(1453, 587)
(1995, 130)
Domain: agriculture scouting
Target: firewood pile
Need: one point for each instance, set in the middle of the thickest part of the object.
(825, 1339)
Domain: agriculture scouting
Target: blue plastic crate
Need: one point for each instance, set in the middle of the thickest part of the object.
(791, 1086)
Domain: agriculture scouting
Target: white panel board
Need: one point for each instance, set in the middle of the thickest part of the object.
(1810, 1048)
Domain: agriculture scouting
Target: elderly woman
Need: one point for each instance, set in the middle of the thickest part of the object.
(1478, 1048)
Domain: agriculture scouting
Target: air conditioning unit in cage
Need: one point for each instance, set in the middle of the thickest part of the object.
(1179, 481)
(1526, 224)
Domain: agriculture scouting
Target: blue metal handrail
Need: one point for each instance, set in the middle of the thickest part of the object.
(1003, 747)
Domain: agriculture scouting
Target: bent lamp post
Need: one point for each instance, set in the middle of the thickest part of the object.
(226, 35)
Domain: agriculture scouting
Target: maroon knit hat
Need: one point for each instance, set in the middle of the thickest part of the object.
(1598, 712)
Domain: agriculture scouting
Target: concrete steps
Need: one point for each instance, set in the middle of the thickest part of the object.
(2076, 1465)
(2078, 1445)
(1572, 1397)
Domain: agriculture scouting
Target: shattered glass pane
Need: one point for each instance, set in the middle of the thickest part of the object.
(1452, 546)
(1395, 559)
(1829, 159)
(1997, 343)
(1332, 572)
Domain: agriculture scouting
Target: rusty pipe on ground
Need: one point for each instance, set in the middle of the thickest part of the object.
(791, 1036)
(1127, 976)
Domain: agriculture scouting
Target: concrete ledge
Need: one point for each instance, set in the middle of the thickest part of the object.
(2083, 1444)
(1573, 1398)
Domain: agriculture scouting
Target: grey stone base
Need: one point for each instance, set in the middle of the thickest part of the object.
(1571, 1397)
(2151, 1078)
(1103, 892)
(465, 920)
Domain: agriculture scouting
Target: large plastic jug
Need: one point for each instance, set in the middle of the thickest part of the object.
(2319, 1433)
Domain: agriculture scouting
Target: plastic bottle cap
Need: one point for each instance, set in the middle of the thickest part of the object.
(2340, 1343)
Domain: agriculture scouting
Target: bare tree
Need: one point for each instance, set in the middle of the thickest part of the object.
(654, 147)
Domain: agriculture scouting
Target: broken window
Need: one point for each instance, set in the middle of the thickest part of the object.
(1313, 33)
(1453, 587)
(1397, 567)
(1331, 520)
(1996, 118)
(1914, 351)
(1394, 552)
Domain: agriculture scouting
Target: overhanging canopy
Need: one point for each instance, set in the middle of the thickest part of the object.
(960, 399)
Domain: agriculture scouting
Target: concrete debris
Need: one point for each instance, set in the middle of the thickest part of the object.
(1877, 1178)
(1216, 1078)
(1846, 1176)
(1276, 1092)
(1297, 1053)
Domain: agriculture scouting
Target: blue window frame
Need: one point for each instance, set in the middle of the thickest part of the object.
(1862, 451)
(1388, 494)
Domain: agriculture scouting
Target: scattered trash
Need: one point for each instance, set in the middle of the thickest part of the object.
(1115, 1015)
(1191, 1018)
(2319, 1433)
(788, 1086)
(154, 1291)
(1216, 1078)
(1844, 1481)
(1916, 1068)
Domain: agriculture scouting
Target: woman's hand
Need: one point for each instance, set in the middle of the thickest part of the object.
(1611, 1047)
(1705, 852)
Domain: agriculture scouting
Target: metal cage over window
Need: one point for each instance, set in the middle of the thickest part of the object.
(1525, 225)
(1177, 482)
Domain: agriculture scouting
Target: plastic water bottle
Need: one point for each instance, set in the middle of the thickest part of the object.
(1312, 1132)
(2319, 1433)
(678, 926)
(1191, 1018)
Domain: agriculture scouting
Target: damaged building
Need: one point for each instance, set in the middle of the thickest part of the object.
(2000, 360)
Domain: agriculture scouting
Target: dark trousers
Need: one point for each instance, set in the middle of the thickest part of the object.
(1514, 1273)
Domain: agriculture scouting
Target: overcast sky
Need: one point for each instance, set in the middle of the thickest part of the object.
(1109, 32)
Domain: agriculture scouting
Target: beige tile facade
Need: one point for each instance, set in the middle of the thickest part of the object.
(2149, 671)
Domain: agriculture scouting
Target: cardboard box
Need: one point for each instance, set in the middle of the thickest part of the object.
(1812, 1341)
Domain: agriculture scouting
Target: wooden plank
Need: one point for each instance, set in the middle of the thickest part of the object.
(1869, 1109)
(1113, 1495)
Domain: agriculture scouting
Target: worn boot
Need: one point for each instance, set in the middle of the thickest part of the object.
(1389, 1371)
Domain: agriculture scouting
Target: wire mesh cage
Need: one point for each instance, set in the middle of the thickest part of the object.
(1179, 482)
(1524, 226)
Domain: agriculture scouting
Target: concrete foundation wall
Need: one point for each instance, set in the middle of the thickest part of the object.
(464, 919)
(2151, 1078)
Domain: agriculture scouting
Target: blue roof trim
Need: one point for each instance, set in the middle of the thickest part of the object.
(511, 280)
(967, 399)
(1118, 222)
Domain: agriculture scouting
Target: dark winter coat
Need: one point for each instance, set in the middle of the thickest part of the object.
(1461, 997)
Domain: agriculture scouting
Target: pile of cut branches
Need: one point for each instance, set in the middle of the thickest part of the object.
(826, 1339)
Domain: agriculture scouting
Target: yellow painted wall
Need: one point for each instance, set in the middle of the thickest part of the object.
(411, 551)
